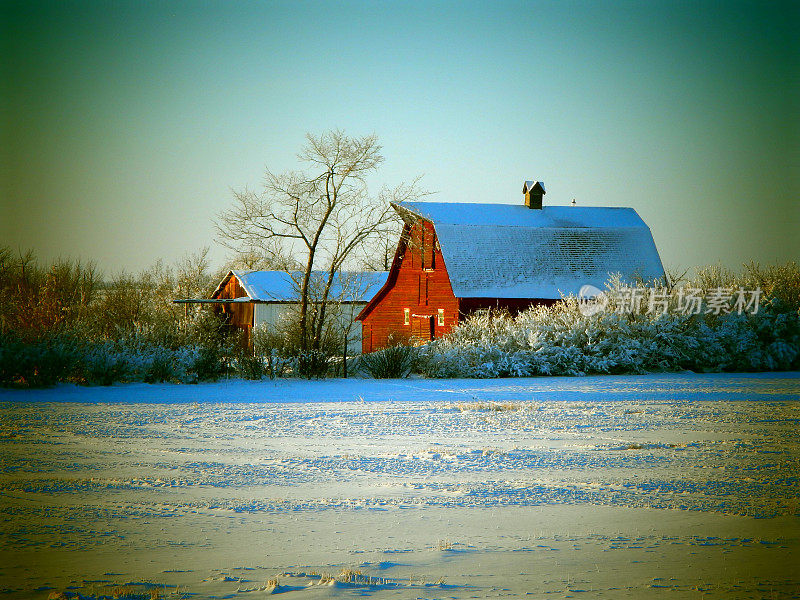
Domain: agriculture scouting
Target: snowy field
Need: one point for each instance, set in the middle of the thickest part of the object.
(657, 486)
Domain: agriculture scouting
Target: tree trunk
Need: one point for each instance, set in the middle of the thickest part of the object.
(322, 305)
(344, 358)
(304, 300)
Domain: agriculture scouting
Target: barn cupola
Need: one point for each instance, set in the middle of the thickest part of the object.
(533, 190)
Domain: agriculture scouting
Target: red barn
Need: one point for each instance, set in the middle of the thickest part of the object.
(456, 258)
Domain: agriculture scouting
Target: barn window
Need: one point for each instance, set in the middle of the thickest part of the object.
(441, 316)
(406, 316)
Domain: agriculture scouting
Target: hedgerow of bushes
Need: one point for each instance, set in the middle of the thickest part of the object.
(63, 324)
(562, 340)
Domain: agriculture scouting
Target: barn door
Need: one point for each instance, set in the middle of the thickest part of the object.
(422, 328)
(416, 328)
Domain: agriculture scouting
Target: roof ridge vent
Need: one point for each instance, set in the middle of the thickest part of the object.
(533, 192)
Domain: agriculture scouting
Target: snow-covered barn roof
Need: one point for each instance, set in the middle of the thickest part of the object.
(280, 286)
(511, 251)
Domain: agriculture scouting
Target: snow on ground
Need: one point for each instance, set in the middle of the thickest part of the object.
(664, 386)
(612, 487)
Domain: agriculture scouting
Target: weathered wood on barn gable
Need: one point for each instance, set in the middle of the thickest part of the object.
(237, 314)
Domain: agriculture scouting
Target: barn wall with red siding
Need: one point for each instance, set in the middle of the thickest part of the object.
(419, 284)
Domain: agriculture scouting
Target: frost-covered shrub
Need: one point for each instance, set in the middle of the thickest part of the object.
(777, 338)
(268, 364)
(250, 366)
(184, 367)
(144, 361)
(104, 364)
(267, 354)
(133, 360)
(561, 340)
(277, 365)
(390, 363)
(158, 366)
(311, 364)
(207, 363)
(40, 363)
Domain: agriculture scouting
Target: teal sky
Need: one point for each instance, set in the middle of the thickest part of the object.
(126, 124)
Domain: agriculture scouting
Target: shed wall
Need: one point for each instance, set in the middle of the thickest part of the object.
(271, 314)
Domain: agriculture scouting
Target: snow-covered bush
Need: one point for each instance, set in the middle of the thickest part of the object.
(40, 363)
(310, 364)
(250, 366)
(267, 354)
(133, 359)
(104, 364)
(562, 340)
(390, 363)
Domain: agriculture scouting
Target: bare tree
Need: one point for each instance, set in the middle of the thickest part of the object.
(378, 253)
(252, 259)
(318, 218)
(193, 276)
